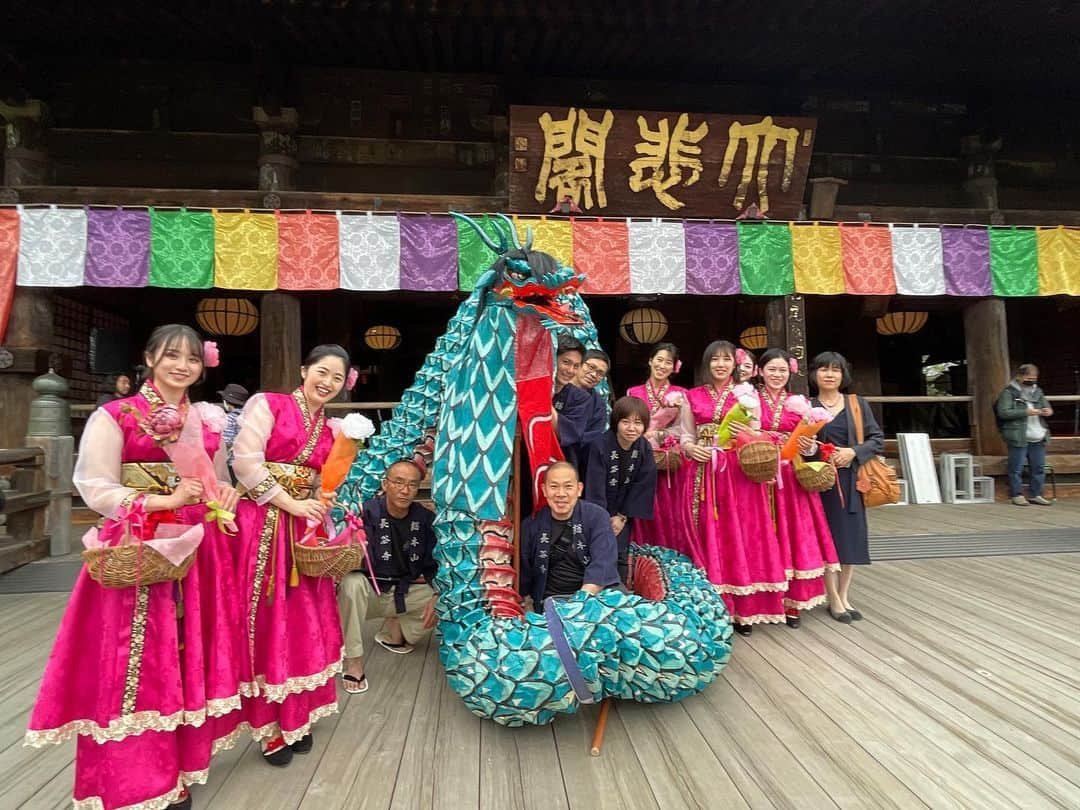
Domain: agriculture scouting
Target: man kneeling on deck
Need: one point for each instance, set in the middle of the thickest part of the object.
(567, 546)
(400, 542)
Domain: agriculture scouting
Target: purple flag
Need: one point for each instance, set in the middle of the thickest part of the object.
(429, 253)
(966, 256)
(117, 248)
(712, 258)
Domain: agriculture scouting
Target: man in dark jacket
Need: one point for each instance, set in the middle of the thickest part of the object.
(1021, 411)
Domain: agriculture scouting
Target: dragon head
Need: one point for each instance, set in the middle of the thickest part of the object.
(529, 280)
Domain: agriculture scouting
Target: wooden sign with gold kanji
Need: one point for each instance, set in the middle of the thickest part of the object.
(631, 163)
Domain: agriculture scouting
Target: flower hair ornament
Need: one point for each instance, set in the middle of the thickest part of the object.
(741, 356)
(793, 365)
(211, 355)
(350, 380)
(678, 366)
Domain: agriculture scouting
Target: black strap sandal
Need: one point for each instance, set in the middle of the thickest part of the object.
(361, 684)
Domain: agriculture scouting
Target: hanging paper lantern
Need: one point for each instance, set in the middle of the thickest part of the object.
(901, 323)
(383, 338)
(754, 338)
(643, 326)
(227, 317)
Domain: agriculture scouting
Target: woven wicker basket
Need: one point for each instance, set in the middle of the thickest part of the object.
(816, 480)
(668, 459)
(328, 561)
(759, 460)
(132, 564)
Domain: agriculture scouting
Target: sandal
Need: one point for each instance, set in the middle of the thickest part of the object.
(404, 648)
(361, 684)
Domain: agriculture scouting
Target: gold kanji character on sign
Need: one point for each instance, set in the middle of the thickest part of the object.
(760, 139)
(676, 149)
(573, 163)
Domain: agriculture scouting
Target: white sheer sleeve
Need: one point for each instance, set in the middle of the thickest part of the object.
(249, 450)
(97, 471)
(687, 427)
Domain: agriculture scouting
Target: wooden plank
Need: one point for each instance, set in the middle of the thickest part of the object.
(683, 771)
(519, 768)
(612, 781)
(442, 758)
(983, 724)
(766, 771)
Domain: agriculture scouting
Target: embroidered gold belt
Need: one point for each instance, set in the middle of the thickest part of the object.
(706, 433)
(154, 477)
(296, 479)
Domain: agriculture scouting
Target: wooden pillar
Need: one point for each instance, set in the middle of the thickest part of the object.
(277, 151)
(980, 183)
(987, 338)
(785, 319)
(25, 355)
(279, 342)
(26, 159)
(823, 191)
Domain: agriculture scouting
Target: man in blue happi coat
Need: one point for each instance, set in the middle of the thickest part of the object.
(568, 546)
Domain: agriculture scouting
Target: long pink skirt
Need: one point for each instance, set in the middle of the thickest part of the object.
(805, 540)
(671, 526)
(149, 679)
(293, 632)
(743, 555)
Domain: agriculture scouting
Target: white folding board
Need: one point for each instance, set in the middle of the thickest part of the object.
(917, 460)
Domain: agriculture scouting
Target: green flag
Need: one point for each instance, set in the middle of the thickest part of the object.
(182, 249)
(1014, 261)
(765, 264)
(474, 257)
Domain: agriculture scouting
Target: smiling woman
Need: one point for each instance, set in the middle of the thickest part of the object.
(283, 441)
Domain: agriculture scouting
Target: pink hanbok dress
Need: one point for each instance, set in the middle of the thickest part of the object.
(147, 676)
(292, 631)
(735, 532)
(666, 528)
(800, 520)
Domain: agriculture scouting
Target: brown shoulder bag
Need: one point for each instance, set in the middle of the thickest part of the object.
(875, 479)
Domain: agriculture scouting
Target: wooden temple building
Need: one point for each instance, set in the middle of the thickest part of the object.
(283, 171)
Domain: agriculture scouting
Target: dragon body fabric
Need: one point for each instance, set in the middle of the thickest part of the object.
(492, 368)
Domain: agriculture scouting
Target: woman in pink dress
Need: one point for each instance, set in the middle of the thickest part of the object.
(800, 518)
(665, 401)
(291, 626)
(731, 513)
(148, 675)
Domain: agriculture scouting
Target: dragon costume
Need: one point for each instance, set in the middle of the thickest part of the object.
(491, 370)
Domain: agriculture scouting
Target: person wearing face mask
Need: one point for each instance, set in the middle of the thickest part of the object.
(620, 474)
(291, 623)
(1021, 411)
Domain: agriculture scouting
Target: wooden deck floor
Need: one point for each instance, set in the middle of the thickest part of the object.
(950, 518)
(942, 697)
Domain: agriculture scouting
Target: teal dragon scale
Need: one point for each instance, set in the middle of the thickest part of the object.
(665, 642)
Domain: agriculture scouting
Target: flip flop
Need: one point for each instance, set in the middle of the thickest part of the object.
(399, 649)
(361, 684)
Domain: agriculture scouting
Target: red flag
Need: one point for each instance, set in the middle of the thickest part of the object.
(533, 369)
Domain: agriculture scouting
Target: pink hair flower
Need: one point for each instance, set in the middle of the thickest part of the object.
(211, 355)
(351, 378)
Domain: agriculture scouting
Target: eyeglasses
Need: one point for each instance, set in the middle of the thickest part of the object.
(599, 371)
(403, 484)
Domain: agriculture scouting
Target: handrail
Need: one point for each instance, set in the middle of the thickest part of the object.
(85, 408)
(959, 400)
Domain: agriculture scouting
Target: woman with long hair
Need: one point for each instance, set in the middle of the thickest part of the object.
(844, 508)
(800, 519)
(291, 624)
(148, 675)
(729, 512)
(665, 401)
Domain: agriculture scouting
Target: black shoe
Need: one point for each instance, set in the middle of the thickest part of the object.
(280, 758)
(183, 804)
(793, 622)
(303, 745)
(855, 615)
(744, 629)
(843, 617)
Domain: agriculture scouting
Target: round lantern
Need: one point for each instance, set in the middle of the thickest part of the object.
(754, 338)
(383, 338)
(901, 323)
(643, 326)
(227, 317)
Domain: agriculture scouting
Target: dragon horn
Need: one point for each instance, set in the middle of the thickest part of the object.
(513, 231)
(499, 248)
